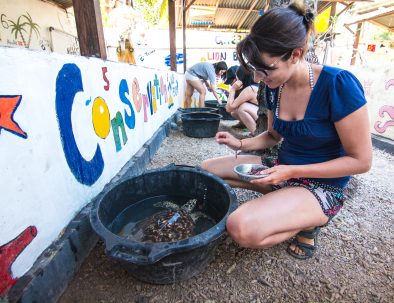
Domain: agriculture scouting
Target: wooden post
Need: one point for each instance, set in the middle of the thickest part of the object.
(90, 28)
(332, 13)
(184, 33)
(355, 45)
(171, 14)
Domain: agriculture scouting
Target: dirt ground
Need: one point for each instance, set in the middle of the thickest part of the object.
(354, 262)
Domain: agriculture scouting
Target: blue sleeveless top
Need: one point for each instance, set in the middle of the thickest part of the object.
(314, 139)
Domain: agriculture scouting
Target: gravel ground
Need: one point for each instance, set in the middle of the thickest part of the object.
(354, 262)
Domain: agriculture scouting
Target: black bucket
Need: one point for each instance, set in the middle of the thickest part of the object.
(199, 110)
(163, 262)
(221, 108)
(200, 125)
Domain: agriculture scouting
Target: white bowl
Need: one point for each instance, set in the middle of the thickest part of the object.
(243, 171)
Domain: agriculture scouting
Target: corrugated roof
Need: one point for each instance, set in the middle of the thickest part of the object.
(380, 13)
(236, 15)
(61, 3)
(231, 15)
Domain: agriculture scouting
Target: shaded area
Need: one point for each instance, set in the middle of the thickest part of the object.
(354, 262)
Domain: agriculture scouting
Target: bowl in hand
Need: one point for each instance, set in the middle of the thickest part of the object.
(249, 172)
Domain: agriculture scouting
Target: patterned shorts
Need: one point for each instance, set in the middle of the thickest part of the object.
(330, 198)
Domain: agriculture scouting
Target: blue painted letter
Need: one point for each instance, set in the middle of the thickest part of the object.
(68, 83)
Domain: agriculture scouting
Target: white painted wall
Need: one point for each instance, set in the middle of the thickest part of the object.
(38, 187)
(378, 84)
(152, 47)
(44, 15)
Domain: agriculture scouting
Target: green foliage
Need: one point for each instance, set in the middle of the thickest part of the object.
(384, 36)
(152, 10)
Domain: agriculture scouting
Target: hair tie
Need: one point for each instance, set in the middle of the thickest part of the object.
(308, 17)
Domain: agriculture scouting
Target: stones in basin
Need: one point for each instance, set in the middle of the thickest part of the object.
(172, 224)
(167, 226)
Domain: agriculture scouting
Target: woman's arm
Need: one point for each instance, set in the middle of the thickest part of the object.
(355, 136)
(213, 90)
(267, 139)
(246, 95)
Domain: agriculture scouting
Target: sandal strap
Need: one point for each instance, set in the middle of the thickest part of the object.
(308, 249)
(309, 234)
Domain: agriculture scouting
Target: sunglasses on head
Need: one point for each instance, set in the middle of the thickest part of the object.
(262, 72)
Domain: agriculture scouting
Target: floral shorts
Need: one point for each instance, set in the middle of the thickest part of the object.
(330, 198)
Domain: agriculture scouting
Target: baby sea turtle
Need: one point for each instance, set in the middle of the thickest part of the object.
(172, 224)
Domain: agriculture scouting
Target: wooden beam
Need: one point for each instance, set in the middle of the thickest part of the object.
(349, 29)
(217, 4)
(171, 15)
(90, 28)
(190, 4)
(184, 34)
(333, 11)
(355, 44)
(345, 9)
(247, 14)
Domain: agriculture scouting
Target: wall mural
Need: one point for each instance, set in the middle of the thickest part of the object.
(69, 83)
(24, 25)
(8, 254)
(380, 126)
(8, 107)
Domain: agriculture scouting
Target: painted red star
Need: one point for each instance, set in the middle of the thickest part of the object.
(8, 106)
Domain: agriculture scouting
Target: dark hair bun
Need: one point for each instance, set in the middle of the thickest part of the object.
(309, 17)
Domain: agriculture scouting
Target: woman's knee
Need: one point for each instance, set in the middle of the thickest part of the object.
(240, 231)
(205, 165)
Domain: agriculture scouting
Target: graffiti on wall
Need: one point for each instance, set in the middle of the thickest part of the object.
(219, 56)
(8, 107)
(69, 83)
(20, 27)
(178, 59)
(380, 126)
(225, 40)
(8, 254)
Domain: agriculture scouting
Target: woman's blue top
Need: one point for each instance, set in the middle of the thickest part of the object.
(314, 139)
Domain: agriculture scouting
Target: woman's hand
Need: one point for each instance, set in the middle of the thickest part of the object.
(228, 139)
(276, 174)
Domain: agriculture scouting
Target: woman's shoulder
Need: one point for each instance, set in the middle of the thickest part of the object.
(333, 73)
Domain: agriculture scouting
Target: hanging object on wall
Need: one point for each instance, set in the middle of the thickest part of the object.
(125, 52)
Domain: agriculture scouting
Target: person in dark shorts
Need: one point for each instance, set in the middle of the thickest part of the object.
(319, 115)
(206, 73)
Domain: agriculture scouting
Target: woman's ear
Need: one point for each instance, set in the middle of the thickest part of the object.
(296, 55)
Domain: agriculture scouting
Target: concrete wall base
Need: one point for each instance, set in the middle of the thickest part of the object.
(57, 265)
(383, 143)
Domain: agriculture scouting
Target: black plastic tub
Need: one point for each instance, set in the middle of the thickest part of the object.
(163, 262)
(221, 108)
(199, 110)
(200, 125)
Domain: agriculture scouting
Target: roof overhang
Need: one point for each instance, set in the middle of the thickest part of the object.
(379, 13)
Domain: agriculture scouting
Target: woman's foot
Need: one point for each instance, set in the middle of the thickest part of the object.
(304, 245)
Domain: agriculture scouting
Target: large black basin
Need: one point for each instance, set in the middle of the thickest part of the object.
(221, 107)
(199, 110)
(200, 124)
(163, 262)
